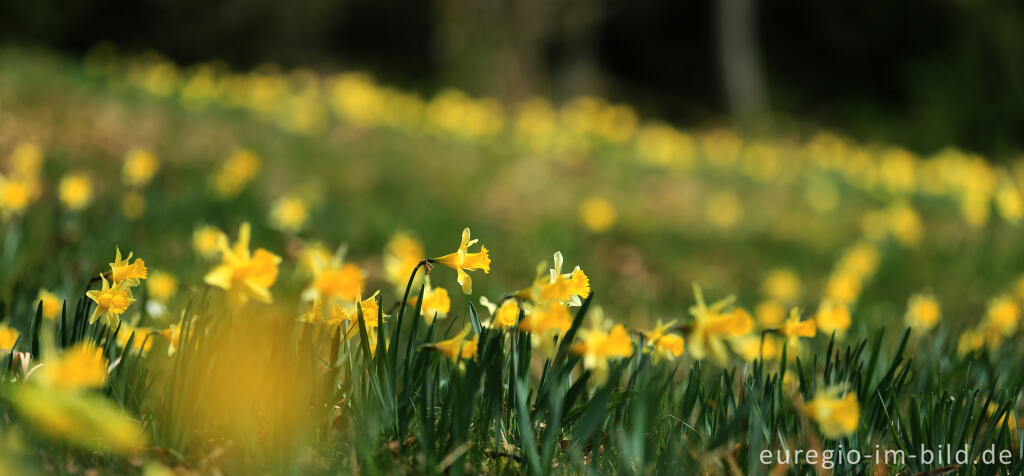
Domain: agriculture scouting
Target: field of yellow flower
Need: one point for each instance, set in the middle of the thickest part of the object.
(273, 272)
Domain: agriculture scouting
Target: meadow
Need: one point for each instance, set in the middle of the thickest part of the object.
(290, 272)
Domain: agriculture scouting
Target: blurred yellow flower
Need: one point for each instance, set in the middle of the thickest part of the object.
(923, 312)
(782, 284)
(904, 223)
(26, 160)
(435, 303)
(401, 255)
(597, 214)
(462, 261)
(724, 209)
(111, 301)
(138, 335)
(15, 196)
(712, 325)
(597, 345)
(140, 165)
(770, 313)
(289, 213)
(1003, 315)
(662, 343)
(243, 274)
(161, 286)
(793, 328)
(458, 347)
(832, 317)
(50, 302)
(81, 366)
(75, 191)
(238, 170)
(8, 337)
(547, 317)
(843, 288)
(749, 347)
(836, 416)
(860, 260)
(206, 241)
(84, 419)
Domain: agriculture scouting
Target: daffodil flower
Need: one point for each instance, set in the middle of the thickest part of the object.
(127, 270)
(712, 325)
(458, 347)
(836, 416)
(662, 343)
(504, 317)
(598, 345)
(111, 301)
(82, 366)
(435, 302)
(335, 279)
(243, 274)
(578, 284)
(462, 260)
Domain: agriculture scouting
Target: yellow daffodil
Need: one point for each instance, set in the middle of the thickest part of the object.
(462, 261)
(770, 313)
(127, 270)
(8, 337)
(597, 345)
(750, 347)
(111, 301)
(173, 335)
(782, 285)
(504, 317)
(236, 173)
(313, 257)
(75, 191)
(575, 285)
(836, 416)
(662, 343)
(832, 317)
(141, 342)
(162, 286)
(923, 312)
(860, 260)
(289, 213)
(1003, 315)
(597, 214)
(371, 310)
(458, 347)
(50, 302)
(793, 329)
(435, 302)
(243, 274)
(15, 195)
(843, 288)
(712, 325)
(82, 366)
(401, 255)
(206, 241)
(140, 165)
(335, 279)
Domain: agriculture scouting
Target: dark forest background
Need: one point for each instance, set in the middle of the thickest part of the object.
(920, 73)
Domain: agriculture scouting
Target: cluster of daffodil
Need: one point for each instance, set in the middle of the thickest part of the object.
(304, 102)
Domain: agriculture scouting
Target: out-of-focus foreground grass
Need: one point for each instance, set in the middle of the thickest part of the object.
(138, 153)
